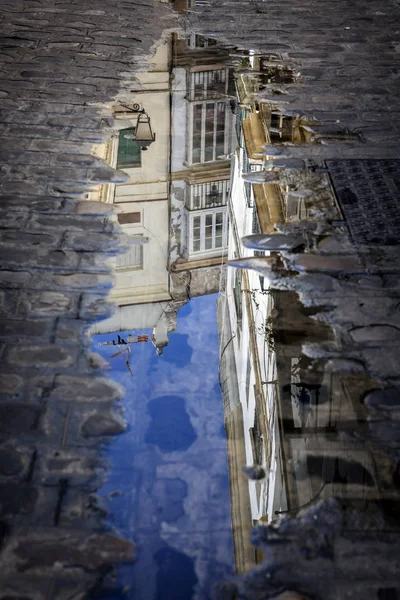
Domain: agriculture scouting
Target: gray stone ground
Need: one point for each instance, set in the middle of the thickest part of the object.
(348, 54)
(57, 61)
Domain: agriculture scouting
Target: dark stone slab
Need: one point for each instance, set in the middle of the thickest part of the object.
(102, 424)
(385, 399)
(11, 462)
(368, 192)
(18, 418)
(17, 498)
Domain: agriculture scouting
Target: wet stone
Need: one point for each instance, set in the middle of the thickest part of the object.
(225, 590)
(376, 334)
(11, 462)
(387, 433)
(63, 547)
(10, 383)
(14, 279)
(13, 328)
(40, 356)
(103, 424)
(76, 468)
(386, 399)
(325, 262)
(86, 389)
(18, 418)
(17, 498)
(50, 303)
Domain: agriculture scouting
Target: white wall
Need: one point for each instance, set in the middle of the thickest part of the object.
(178, 125)
(152, 282)
(262, 493)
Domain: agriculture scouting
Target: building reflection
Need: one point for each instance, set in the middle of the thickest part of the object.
(173, 206)
(192, 194)
(283, 410)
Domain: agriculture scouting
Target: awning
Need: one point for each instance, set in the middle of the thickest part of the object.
(270, 205)
(254, 135)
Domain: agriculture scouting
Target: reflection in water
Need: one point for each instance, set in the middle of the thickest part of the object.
(170, 428)
(194, 143)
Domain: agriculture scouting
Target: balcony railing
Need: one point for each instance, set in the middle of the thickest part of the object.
(207, 195)
(192, 4)
(207, 85)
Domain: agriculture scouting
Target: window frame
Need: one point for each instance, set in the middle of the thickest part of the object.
(204, 104)
(202, 215)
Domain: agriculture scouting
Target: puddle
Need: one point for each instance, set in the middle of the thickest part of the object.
(223, 367)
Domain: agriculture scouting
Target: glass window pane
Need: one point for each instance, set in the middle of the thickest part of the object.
(196, 138)
(129, 152)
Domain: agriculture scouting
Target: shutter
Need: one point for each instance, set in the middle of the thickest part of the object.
(129, 153)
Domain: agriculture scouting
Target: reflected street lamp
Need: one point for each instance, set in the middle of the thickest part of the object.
(143, 132)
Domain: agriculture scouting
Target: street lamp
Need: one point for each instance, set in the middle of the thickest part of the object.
(143, 132)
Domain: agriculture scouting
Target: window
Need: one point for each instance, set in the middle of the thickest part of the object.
(203, 85)
(209, 123)
(129, 153)
(198, 41)
(129, 218)
(133, 259)
(207, 195)
(207, 231)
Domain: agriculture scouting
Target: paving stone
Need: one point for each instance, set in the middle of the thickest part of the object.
(86, 389)
(72, 332)
(18, 418)
(376, 334)
(47, 303)
(17, 498)
(14, 279)
(10, 383)
(103, 424)
(326, 263)
(11, 462)
(75, 468)
(40, 356)
(385, 399)
(18, 329)
(67, 549)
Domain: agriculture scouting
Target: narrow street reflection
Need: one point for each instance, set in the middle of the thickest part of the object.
(204, 149)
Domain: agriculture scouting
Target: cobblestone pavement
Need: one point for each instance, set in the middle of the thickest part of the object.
(346, 52)
(58, 60)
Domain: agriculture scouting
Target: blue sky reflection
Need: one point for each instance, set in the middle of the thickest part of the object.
(168, 489)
